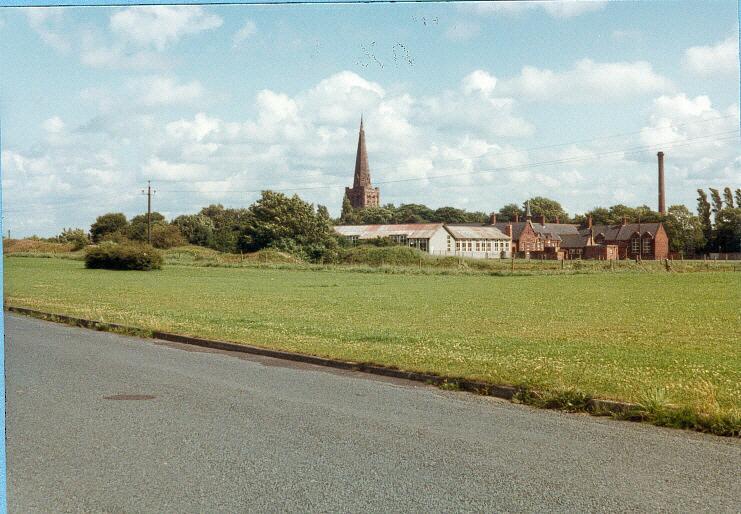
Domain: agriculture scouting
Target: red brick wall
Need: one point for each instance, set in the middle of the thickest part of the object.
(528, 239)
(661, 244)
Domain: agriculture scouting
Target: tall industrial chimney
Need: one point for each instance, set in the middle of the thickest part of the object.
(662, 198)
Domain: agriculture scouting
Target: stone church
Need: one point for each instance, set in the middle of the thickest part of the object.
(362, 193)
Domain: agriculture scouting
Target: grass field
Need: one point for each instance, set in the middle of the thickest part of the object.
(672, 338)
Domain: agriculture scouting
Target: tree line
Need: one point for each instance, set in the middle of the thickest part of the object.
(289, 224)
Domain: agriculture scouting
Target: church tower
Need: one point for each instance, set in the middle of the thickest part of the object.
(362, 193)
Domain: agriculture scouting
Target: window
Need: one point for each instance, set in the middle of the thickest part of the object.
(635, 245)
(458, 246)
(399, 238)
(469, 246)
(646, 245)
(353, 239)
(478, 246)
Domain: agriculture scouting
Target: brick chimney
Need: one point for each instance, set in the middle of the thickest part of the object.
(493, 218)
(625, 220)
(540, 218)
(662, 198)
(589, 221)
(517, 218)
(557, 220)
(508, 229)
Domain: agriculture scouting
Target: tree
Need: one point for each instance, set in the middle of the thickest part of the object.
(550, 209)
(449, 215)
(228, 224)
(738, 197)
(600, 216)
(74, 236)
(413, 213)
(703, 213)
(509, 212)
(288, 224)
(137, 228)
(107, 224)
(728, 230)
(717, 204)
(685, 230)
(728, 198)
(165, 235)
(373, 216)
(197, 229)
(347, 216)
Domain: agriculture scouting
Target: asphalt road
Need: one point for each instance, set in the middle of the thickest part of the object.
(231, 433)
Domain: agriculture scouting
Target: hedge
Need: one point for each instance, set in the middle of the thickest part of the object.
(123, 256)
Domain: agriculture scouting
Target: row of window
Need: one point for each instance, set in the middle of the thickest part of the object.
(478, 245)
(635, 245)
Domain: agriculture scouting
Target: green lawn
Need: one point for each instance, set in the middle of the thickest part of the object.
(620, 336)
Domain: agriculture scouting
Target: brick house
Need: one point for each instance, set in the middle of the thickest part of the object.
(633, 240)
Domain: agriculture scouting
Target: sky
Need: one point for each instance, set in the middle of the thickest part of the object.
(472, 105)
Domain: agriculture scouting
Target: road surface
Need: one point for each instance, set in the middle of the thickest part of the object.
(212, 431)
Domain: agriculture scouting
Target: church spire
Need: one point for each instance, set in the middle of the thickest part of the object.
(362, 194)
(528, 215)
(362, 170)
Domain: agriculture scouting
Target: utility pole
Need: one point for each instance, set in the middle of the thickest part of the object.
(149, 193)
(149, 212)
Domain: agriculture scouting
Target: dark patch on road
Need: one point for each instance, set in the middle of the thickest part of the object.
(130, 397)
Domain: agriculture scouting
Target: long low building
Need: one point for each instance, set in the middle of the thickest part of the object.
(480, 242)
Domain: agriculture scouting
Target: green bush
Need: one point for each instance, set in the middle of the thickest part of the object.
(123, 256)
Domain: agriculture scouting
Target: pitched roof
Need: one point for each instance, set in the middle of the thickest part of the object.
(574, 240)
(412, 230)
(476, 232)
(517, 227)
(554, 231)
(622, 232)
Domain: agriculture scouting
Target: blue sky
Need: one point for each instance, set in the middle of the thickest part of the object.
(214, 102)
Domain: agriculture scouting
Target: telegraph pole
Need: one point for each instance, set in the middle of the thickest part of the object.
(149, 212)
(149, 193)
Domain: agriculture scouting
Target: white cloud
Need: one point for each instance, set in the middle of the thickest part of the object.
(248, 30)
(48, 23)
(159, 26)
(159, 169)
(157, 90)
(556, 9)
(468, 134)
(700, 142)
(53, 125)
(480, 81)
(586, 81)
(721, 58)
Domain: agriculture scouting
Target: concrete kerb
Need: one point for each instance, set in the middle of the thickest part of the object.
(499, 391)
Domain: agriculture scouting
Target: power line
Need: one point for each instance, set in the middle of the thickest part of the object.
(534, 148)
(632, 150)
